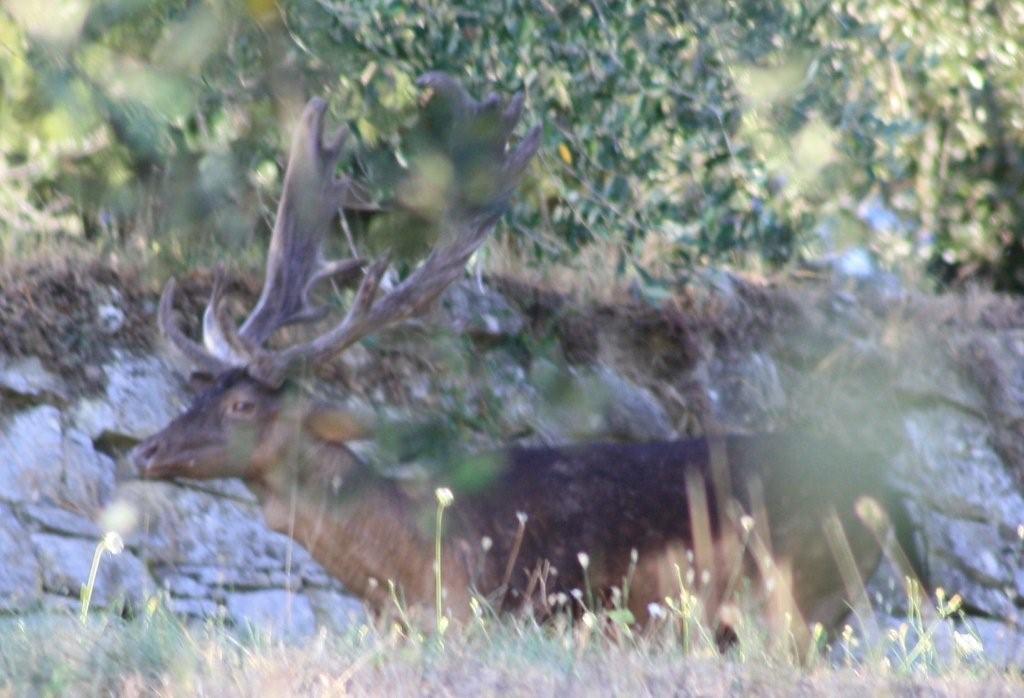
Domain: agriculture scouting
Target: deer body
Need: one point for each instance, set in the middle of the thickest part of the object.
(711, 508)
(543, 506)
(603, 500)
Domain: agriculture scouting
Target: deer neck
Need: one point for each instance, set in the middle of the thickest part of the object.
(360, 526)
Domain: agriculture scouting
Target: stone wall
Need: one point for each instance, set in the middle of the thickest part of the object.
(940, 380)
(207, 549)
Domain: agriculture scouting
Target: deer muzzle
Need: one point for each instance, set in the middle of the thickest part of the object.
(156, 459)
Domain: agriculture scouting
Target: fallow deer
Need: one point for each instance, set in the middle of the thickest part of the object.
(641, 515)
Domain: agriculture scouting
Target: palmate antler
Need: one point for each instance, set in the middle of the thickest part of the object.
(311, 198)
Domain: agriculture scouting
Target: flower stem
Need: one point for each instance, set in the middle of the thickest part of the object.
(89, 585)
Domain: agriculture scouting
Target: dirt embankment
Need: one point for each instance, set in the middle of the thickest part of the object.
(72, 313)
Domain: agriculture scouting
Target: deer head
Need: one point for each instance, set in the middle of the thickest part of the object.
(248, 421)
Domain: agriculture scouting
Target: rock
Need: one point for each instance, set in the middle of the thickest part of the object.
(186, 527)
(313, 575)
(887, 590)
(142, 395)
(196, 608)
(281, 613)
(632, 412)
(32, 448)
(64, 605)
(744, 389)
(89, 476)
(963, 555)
(66, 563)
(568, 405)
(936, 379)
(954, 450)
(43, 462)
(992, 360)
(180, 585)
(232, 488)
(970, 507)
(1003, 643)
(339, 612)
(28, 378)
(978, 641)
(21, 582)
(54, 519)
(111, 317)
(507, 385)
(233, 578)
(481, 312)
(219, 542)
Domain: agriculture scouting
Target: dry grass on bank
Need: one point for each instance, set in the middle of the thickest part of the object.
(156, 653)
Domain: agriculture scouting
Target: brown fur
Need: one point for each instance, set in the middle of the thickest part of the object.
(677, 504)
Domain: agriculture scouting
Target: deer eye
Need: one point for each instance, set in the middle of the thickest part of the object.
(242, 407)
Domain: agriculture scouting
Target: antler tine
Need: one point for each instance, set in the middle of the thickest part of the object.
(452, 89)
(218, 335)
(469, 224)
(518, 160)
(309, 202)
(295, 263)
(272, 367)
(192, 351)
(514, 109)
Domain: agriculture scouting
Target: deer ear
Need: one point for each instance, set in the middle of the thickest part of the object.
(338, 425)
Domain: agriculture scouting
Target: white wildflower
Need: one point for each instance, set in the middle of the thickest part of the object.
(113, 543)
(967, 644)
(656, 610)
(444, 496)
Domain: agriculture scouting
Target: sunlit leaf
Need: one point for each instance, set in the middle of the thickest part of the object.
(186, 44)
(127, 78)
(57, 21)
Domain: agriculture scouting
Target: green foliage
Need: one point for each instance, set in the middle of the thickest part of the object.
(746, 131)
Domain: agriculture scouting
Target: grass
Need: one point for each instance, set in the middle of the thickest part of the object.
(54, 654)
(596, 652)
